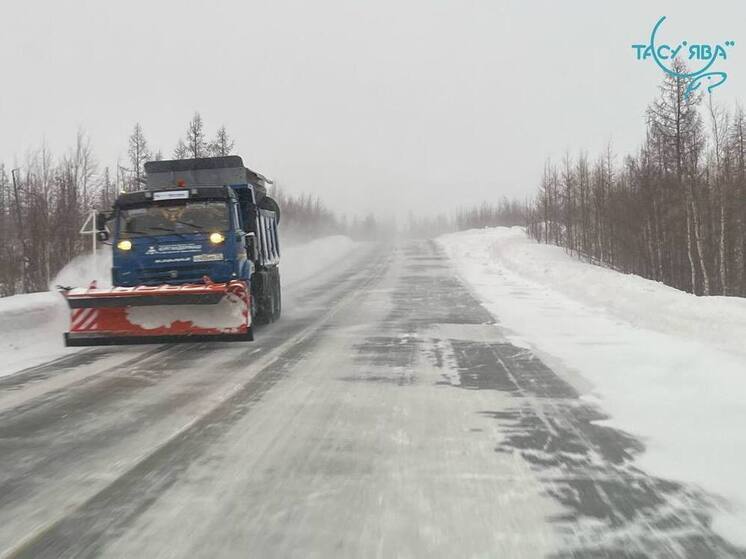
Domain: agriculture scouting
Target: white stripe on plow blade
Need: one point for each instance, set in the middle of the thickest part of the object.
(85, 319)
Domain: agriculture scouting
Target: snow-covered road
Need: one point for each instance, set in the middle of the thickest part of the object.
(386, 415)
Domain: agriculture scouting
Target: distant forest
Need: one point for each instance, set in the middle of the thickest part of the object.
(674, 212)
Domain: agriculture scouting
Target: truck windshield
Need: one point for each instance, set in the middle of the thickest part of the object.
(179, 218)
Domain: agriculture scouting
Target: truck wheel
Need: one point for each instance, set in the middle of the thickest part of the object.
(277, 294)
(253, 308)
(261, 292)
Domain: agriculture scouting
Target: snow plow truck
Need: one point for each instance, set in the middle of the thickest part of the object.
(195, 258)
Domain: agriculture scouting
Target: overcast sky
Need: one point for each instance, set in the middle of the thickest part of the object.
(430, 104)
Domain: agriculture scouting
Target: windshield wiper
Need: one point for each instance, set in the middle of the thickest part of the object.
(190, 224)
(167, 230)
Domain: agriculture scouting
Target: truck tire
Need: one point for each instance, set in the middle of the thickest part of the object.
(276, 294)
(265, 290)
(261, 293)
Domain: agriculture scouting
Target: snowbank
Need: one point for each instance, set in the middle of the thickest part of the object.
(31, 326)
(720, 321)
(31, 329)
(668, 366)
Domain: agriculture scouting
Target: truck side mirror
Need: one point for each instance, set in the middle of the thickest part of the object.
(102, 231)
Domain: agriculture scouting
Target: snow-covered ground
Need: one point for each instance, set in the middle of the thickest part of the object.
(31, 329)
(667, 366)
(31, 326)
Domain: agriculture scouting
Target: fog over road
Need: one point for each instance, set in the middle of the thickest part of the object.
(386, 414)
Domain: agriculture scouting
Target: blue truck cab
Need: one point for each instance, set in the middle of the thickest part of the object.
(200, 220)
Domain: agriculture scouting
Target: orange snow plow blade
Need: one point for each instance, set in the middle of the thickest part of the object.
(159, 314)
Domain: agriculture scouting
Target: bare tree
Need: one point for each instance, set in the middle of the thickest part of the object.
(181, 151)
(737, 149)
(719, 131)
(195, 138)
(677, 125)
(223, 144)
(108, 189)
(138, 154)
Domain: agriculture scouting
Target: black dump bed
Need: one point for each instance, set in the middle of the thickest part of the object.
(204, 171)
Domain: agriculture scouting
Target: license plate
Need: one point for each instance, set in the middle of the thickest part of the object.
(207, 257)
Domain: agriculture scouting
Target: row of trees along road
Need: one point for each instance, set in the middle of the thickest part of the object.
(675, 211)
(45, 199)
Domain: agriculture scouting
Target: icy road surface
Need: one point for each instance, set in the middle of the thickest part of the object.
(386, 415)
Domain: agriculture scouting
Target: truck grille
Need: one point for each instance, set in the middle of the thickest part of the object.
(180, 274)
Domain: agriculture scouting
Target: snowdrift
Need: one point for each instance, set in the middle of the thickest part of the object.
(31, 326)
(667, 366)
(720, 321)
(31, 329)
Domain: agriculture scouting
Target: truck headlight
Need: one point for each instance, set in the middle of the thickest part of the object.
(124, 244)
(216, 238)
